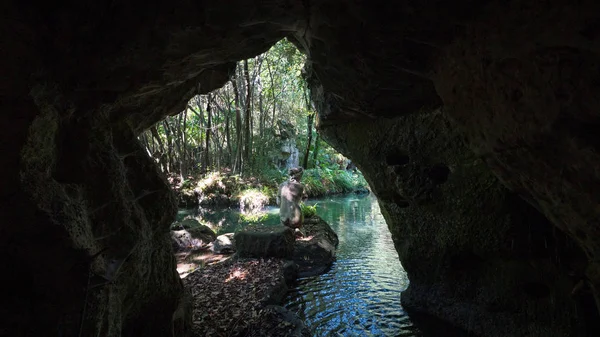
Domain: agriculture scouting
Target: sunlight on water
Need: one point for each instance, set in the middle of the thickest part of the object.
(360, 295)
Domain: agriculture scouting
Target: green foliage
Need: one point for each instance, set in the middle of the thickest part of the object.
(308, 211)
(215, 182)
(318, 182)
(253, 218)
(252, 201)
(278, 91)
(186, 184)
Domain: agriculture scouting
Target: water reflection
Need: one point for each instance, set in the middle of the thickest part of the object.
(225, 220)
(360, 295)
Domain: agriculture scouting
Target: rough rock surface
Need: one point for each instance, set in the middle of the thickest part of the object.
(79, 82)
(193, 238)
(476, 254)
(265, 241)
(94, 208)
(224, 244)
(315, 252)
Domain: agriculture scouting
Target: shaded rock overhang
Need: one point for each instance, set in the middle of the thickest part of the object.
(518, 77)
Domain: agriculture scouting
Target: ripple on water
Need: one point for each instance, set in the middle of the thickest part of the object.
(360, 295)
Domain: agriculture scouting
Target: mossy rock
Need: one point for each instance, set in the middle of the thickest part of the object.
(195, 229)
(265, 241)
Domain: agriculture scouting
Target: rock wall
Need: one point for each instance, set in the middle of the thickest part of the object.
(90, 247)
(525, 90)
(85, 213)
(476, 254)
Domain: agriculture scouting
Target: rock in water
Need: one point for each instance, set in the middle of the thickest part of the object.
(265, 241)
(315, 252)
(224, 244)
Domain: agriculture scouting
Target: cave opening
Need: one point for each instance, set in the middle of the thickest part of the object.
(224, 157)
(82, 82)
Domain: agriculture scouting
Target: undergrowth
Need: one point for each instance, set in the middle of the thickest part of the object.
(319, 182)
(308, 211)
(252, 193)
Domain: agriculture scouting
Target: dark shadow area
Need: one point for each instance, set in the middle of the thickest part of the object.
(431, 326)
(439, 173)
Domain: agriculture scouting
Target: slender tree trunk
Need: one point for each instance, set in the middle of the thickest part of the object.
(169, 136)
(162, 154)
(237, 167)
(247, 140)
(156, 137)
(208, 133)
(144, 140)
(309, 122)
(176, 135)
(197, 110)
(228, 128)
(184, 156)
(228, 136)
(217, 134)
(272, 94)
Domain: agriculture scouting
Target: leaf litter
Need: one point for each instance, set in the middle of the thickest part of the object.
(229, 297)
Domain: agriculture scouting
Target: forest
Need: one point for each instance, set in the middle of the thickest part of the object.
(257, 125)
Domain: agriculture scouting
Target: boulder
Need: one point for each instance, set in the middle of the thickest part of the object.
(182, 240)
(315, 252)
(265, 241)
(191, 234)
(203, 233)
(224, 244)
(198, 230)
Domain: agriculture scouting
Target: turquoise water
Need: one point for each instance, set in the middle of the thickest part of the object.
(360, 295)
(227, 220)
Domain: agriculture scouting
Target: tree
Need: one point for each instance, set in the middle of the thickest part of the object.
(208, 132)
(233, 126)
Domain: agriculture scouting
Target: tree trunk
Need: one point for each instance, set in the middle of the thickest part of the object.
(228, 128)
(197, 110)
(161, 156)
(169, 136)
(228, 136)
(176, 134)
(272, 94)
(309, 126)
(208, 133)
(184, 156)
(247, 140)
(237, 166)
